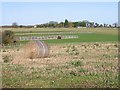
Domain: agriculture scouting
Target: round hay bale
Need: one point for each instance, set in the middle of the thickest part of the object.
(36, 49)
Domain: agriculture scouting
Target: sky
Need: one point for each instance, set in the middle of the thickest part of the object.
(59, 0)
(119, 14)
(30, 13)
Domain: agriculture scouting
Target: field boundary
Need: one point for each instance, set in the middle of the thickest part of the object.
(42, 33)
(44, 37)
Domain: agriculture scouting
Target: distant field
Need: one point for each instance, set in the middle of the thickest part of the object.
(95, 30)
(87, 38)
(84, 34)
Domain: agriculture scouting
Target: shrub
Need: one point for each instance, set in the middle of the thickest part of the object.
(8, 37)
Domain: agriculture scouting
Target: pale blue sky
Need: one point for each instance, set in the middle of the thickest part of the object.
(119, 13)
(42, 12)
(59, 0)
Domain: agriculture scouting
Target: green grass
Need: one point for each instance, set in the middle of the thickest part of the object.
(87, 38)
(96, 35)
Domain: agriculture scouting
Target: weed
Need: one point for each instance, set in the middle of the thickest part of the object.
(72, 50)
(73, 73)
(82, 58)
(7, 59)
(68, 47)
(116, 45)
(106, 56)
(82, 70)
(30, 31)
(107, 47)
(18, 49)
(4, 50)
(96, 44)
(76, 63)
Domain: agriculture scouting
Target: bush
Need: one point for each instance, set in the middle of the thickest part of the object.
(8, 37)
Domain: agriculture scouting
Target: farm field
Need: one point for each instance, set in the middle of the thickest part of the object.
(89, 61)
(84, 34)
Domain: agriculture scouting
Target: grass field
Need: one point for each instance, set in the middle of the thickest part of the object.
(95, 35)
(87, 38)
(90, 61)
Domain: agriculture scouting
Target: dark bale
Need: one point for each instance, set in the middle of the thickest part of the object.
(59, 37)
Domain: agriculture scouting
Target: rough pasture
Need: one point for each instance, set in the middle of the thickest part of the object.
(89, 61)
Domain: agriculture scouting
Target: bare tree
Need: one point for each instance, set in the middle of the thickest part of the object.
(14, 24)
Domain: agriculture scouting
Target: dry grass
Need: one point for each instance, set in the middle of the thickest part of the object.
(113, 31)
(93, 52)
(96, 63)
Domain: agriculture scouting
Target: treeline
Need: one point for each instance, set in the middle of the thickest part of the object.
(65, 24)
(18, 26)
(77, 24)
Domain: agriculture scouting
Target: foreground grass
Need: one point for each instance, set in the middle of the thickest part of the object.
(85, 68)
(54, 77)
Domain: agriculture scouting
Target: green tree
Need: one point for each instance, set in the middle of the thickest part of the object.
(101, 25)
(66, 23)
(61, 24)
(91, 24)
(76, 24)
(70, 25)
(83, 23)
(53, 24)
(14, 24)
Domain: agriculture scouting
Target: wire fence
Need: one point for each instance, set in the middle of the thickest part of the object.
(25, 38)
